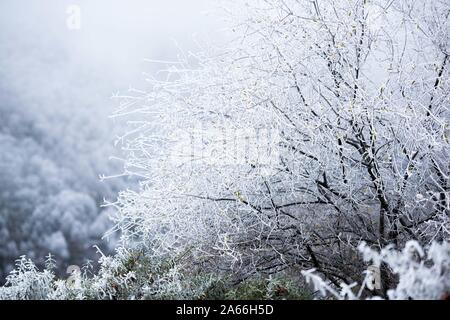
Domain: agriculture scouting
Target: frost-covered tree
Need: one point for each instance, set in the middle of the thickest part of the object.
(352, 97)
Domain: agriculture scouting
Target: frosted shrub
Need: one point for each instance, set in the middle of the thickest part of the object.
(130, 274)
(421, 275)
(25, 282)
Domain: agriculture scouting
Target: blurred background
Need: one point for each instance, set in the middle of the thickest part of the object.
(60, 64)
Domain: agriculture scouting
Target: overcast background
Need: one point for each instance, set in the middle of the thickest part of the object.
(55, 135)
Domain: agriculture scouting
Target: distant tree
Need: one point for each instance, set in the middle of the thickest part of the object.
(52, 151)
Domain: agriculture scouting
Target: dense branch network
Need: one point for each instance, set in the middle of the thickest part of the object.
(354, 95)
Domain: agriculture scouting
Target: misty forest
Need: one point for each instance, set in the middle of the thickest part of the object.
(283, 149)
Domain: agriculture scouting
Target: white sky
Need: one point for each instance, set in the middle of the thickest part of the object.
(114, 39)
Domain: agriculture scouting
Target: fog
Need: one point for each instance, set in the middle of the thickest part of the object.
(56, 83)
(113, 39)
